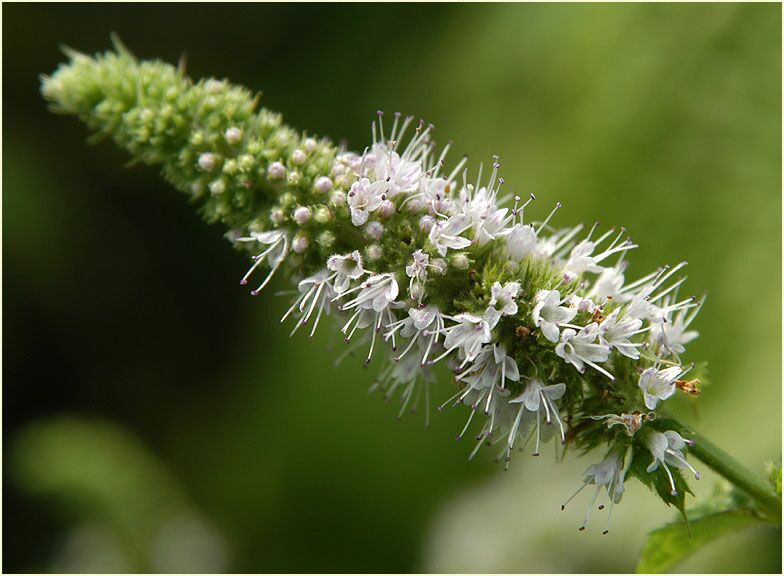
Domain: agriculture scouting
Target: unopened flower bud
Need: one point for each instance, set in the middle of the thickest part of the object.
(277, 215)
(287, 199)
(439, 265)
(298, 157)
(426, 223)
(460, 261)
(207, 161)
(233, 135)
(326, 240)
(246, 162)
(386, 209)
(322, 185)
(375, 230)
(218, 187)
(294, 178)
(374, 252)
(323, 215)
(302, 215)
(337, 198)
(300, 244)
(309, 144)
(276, 171)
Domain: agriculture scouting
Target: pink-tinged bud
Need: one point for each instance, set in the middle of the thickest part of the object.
(233, 135)
(300, 244)
(375, 230)
(309, 144)
(276, 171)
(426, 224)
(298, 157)
(207, 161)
(302, 215)
(322, 185)
(386, 209)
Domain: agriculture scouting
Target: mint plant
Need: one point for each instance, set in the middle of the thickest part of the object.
(418, 263)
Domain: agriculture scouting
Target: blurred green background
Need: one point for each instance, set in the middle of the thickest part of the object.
(156, 417)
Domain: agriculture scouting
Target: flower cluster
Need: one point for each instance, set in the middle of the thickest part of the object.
(545, 335)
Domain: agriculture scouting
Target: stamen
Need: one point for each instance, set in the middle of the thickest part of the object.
(546, 220)
(576, 492)
(673, 491)
(590, 507)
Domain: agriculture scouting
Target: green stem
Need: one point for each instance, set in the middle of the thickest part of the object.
(737, 474)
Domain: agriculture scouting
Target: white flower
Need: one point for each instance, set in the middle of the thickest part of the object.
(658, 385)
(579, 349)
(581, 258)
(549, 313)
(399, 174)
(364, 197)
(665, 447)
(376, 293)
(346, 268)
(615, 331)
(486, 381)
(520, 241)
(467, 335)
(445, 234)
(580, 303)
(504, 298)
(277, 249)
(537, 397)
(672, 335)
(406, 374)
(423, 325)
(486, 218)
(433, 195)
(496, 408)
(607, 473)
(417, 271)
(492, 365)
(315, 293)
(608, 284)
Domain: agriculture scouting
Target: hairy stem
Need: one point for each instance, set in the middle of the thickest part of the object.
(736, 473)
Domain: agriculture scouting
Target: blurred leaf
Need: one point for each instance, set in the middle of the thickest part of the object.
(672, 543)
(774, 476)
(100, 473)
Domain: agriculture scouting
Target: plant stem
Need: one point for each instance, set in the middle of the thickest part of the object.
(737, 474)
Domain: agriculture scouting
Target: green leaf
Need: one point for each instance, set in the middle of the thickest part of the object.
(671, 544)
(658, 481)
